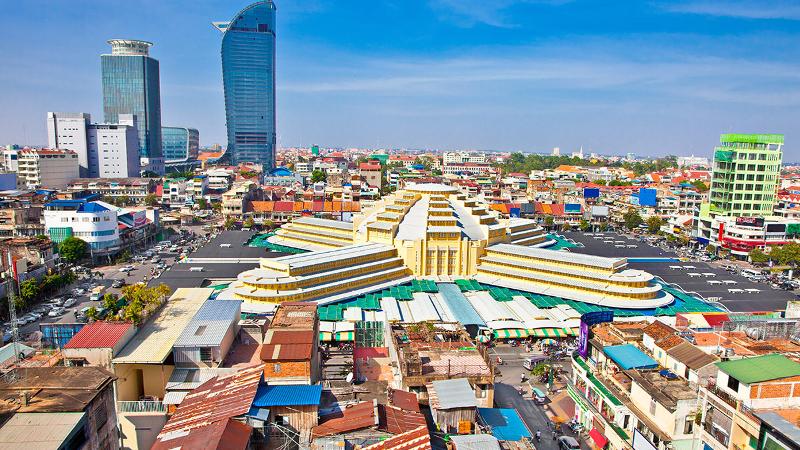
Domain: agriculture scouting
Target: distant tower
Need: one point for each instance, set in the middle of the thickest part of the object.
(131, 86)
(248, 77)
(556, 151)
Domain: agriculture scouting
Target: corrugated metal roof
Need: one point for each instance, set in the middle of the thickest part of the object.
(99, 335)
(289, 337)
(395, 420)
(505, 423)
(216, 400)
(760, 368)
(286, 352)
(25, 431)
(210, 324)
(455, 393)
(403, 399)
(475, 442)
(187, 379)
(288, 395)
(153, 343)
(417, 439)
(355, 417)
(691, 356)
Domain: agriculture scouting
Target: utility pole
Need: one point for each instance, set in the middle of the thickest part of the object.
(12, 309)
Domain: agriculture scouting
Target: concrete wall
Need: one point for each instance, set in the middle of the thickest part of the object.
(153, 380)
(139, 430)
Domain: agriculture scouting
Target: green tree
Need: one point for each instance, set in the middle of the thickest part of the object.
(566, 226)
(632, 219)
(110, 303)
(202, 203)
(317, 176)
(654, 224)
(73, 249)
(549, 221)
(757, 256)
(788, 254)
(151, 199)
(436, 172)
(249, 223)
(216, 206)
(230, 222)
(700, 186)
(584, 225)
(123, 200)
(133, 312)
(599, 182)
(710, 249)
(91, 313)
(28, 291)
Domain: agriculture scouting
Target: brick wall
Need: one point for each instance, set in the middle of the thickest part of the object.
(782, 388)
(288, 369)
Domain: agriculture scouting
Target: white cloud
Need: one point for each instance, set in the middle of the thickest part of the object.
(745, 9)
(495, 13)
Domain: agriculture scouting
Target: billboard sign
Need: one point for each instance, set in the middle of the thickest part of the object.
(572, 208)
(591, 192)
(139, 218)
(750, 221)
(647, 197)
(513, 212)
(587, 320)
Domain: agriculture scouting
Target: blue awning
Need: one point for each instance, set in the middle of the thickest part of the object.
(629, 357)
(505, 423)
(288, 395)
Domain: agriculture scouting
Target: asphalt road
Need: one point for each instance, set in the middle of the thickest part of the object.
(109, 274)
(506, 394)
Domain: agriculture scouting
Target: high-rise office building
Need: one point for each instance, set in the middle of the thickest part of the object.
(108, 150)
(131, 86)
(180, 144)
(745, 175)
(248, 75)
(68, 131)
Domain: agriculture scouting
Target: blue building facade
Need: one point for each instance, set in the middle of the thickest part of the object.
(248, 75)
(180, 144)
(131, 86)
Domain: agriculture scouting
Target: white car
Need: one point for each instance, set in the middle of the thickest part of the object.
(70, 302)
(126, 269)
(56, 312)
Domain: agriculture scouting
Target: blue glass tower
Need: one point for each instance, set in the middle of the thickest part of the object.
(248, 76)
(131, 86)
(180, 144)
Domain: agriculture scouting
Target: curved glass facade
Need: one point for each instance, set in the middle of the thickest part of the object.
(248, 74)
(179, 144)
(131, 86)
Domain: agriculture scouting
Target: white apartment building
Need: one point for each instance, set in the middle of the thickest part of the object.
(692, 161)
(104, 150)
(463, 157)
(93, 222)
(53, 169)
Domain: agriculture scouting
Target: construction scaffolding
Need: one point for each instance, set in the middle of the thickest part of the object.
(370, 334)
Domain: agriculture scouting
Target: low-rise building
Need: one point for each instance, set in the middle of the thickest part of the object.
(291, 345)
(205, 341)
(132, 190)
(97, 343)
(58, 407)
(18, 219)
(53, 169)
(371, 174)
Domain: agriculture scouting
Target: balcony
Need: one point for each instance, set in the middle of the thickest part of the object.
(716, 433)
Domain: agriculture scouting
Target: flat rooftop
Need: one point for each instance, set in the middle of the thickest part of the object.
(54, 389)
(666, 392)
(230, 244)
(153, 343)
(180, 275)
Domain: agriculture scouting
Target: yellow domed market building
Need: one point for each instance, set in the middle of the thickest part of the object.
(435, 232)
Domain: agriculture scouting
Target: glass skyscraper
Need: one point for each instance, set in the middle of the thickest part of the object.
(131, 86)
(248, 76)
(180, 144)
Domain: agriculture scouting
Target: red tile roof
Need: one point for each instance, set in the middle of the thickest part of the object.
(369, 166)
(99, 335)
(218, 399)
(659, 330)
(417, 439)
(356, 417)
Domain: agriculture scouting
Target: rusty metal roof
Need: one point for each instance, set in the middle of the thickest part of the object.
(416, 439)
(286, 352)
(218, 399)
(289, 336)
(356, 417)
(403, 399)
(221, 435)
(396, 421)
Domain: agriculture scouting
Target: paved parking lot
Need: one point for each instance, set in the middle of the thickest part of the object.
(610, 244)
(712, 282)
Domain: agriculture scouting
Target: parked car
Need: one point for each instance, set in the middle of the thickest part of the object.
(568, 443)
(126, 269)
(56, 312)
(70, 302)
(117, 284)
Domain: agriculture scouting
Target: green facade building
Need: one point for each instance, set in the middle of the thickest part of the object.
(745, 175)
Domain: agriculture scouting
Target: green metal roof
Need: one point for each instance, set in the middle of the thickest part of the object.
(760, 368)
(752, 138)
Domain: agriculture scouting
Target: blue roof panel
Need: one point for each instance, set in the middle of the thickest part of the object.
(459, 305)
(629, 357)
(288, 395)
(505, 423)
(92, 207)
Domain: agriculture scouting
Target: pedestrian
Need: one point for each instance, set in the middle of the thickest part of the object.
(538, 435)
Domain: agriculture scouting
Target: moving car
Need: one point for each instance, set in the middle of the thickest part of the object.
(126, 269)
(117, 284)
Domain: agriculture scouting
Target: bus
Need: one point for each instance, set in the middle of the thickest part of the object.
(97, 293)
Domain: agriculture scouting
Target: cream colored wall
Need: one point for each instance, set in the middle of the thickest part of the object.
(154, 378)
(139, 430)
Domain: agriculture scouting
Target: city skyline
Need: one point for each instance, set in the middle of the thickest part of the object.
(514, 75)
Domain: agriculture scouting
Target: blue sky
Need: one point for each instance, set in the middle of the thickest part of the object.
(650, 77)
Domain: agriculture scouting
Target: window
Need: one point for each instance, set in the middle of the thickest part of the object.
(205, 354)
(652, 407)
(733, 384)
(688, 425)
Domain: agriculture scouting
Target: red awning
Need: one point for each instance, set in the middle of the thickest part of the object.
(598, 438)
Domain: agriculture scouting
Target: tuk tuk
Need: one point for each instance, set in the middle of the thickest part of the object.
(538, 396)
